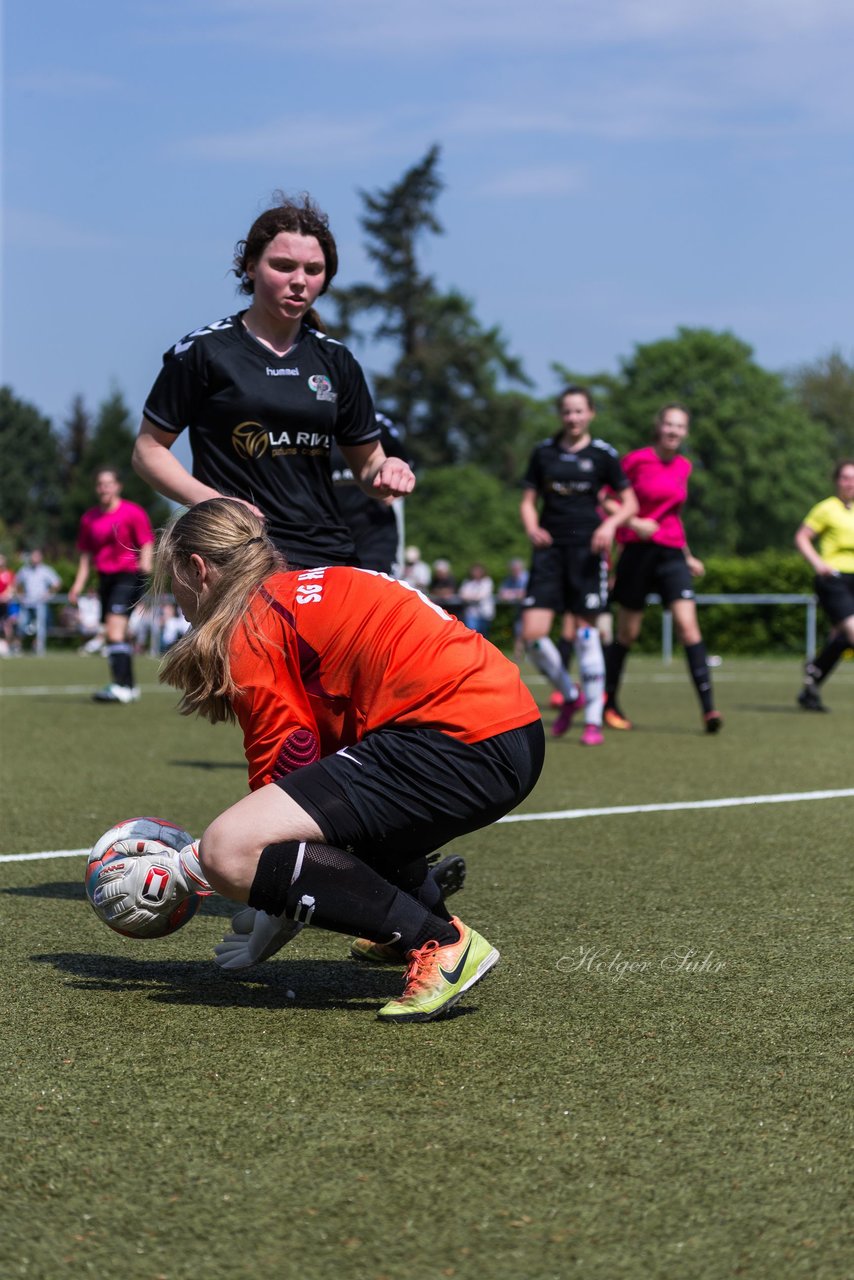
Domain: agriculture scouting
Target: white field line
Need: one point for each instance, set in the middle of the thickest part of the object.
(728, 802)
(565, 815)
(38, 690)
(675, 676)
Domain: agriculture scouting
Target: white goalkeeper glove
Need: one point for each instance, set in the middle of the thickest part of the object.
(255, 937)
(135, 893)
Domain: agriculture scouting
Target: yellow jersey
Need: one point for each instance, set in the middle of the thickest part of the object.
(833, 524)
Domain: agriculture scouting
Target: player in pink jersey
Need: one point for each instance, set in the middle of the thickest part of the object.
(655, 558)
(115, 539)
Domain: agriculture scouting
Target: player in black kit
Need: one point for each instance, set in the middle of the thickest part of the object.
(264, 394)
(571, 540)
(377, 527)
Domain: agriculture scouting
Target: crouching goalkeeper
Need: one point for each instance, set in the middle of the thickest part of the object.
(376, 729)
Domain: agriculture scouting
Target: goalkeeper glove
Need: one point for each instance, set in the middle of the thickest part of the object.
(255, 937)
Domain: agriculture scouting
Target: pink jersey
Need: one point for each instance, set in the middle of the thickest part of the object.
(661, 488)
(113, 538)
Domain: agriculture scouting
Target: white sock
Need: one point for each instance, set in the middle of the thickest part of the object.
(591, 664)
(545, 657)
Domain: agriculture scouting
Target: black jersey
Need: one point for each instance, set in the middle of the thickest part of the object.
(373, 524)
(262, 426)
(569, 484)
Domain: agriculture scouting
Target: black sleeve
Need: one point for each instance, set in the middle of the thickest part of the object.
(533, 477)
(615, 477)
(179, 391)
(356, 422)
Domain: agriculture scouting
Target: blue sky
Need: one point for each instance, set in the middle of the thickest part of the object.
(613, 169)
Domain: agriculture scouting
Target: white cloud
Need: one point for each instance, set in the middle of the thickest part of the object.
(25, 229)
(482, 26)
(533, 181)
(281, 140)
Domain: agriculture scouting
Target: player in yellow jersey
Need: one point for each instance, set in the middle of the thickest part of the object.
(826, 541)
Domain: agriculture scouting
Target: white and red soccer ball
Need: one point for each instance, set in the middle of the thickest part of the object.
(133, 879)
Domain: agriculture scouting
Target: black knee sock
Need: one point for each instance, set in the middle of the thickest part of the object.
(120, 659)
(823, 663)
(566, 648)
(415, 878)
(615, 658)
(699, 667)
(335, 890)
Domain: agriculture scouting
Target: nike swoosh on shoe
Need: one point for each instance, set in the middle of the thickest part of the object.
(453, 975)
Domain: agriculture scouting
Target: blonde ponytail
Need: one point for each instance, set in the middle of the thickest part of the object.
(231, 540)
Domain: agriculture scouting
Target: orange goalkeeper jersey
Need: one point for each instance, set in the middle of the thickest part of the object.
(328, 655)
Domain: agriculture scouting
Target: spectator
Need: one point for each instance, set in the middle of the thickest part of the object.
(443, 585)
(513, 590)
(173, 625)
(415, 570)
(36, 582)
(89, 622)
(7, 592)
(477, 593)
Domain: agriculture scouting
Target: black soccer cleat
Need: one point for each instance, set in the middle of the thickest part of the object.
(713, 722)
(809, 699)
(449, 874)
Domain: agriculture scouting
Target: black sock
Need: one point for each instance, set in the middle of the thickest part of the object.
(121, 664)
(335, 890)
(615, 658)
(566, 648)
(823, 663)
(699, 668)
(416, 879)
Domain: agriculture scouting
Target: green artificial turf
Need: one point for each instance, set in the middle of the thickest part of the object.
(655, 1082)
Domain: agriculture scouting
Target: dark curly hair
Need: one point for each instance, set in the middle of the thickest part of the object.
(289, 213)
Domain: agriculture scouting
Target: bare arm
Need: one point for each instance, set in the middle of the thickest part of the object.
(627, 509)
(643, 526)
(804, 539)
(695, 566)
(530, 514)
(379, 476)
(153, 461)
(146, 557)
(84, 568)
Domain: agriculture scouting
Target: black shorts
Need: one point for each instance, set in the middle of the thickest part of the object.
(836, 595)
(567, 580)
(120, 592)
(402, 793)
(644, 568)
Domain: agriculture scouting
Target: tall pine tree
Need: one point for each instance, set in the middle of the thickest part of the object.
(447, 383)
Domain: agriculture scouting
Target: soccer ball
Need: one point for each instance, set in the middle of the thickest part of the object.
(134, 879)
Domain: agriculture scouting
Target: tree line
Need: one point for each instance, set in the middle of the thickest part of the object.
(763, 443)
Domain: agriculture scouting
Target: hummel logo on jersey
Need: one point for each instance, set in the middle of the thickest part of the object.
(453, 975)
(282, 373)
